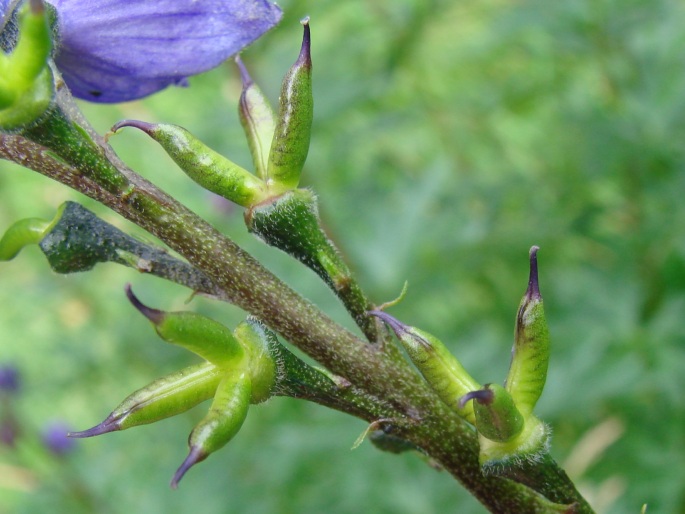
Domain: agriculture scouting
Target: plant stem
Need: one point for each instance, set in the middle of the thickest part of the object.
(391, 385)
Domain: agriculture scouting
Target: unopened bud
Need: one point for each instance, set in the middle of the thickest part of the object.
(443, 372)
(257, 341)
(165, 397)
(497, 418)
(26, 82)
(530, 353)
(202, 164)
(225, 417)
(292, 134)
(201, 335)
(257, 119)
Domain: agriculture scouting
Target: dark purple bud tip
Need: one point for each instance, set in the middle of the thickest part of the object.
(148, 128)
(482, 396)
(37, 6)
(244, 75)
(305, 56)
(111, 424)
(396, 325)
(196, 455)
(533, 291)
(154, 315)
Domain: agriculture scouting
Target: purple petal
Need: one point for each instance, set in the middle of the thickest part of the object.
(115, 50)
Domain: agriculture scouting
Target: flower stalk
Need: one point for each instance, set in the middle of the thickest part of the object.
(65, 149)
(290, 222)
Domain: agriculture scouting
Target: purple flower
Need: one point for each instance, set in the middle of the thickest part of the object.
(54, 437)
(120, 50)
(9, 378)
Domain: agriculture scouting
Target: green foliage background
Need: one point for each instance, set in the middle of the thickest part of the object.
(449, 137)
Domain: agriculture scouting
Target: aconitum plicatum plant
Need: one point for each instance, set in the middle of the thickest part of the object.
(415, 395)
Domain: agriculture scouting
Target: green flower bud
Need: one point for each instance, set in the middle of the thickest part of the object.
(290, 143)
(443, 372)
(258, 121)
(201, 335)
(224, 419)
(165, 397)
(202, 164)
(497, 418)
(530, 354)
(509, 433)
(26, 82)
(257, 340)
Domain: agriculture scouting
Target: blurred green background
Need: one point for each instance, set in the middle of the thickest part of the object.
(449, 137)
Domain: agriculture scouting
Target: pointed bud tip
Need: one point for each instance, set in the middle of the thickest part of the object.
(244, 75)
(533, 290)
(305, 52)
(107, 426)
(37, 6)
(396, 325)
(148, 128)
(154, 315)
(481, 396)
(194, 456)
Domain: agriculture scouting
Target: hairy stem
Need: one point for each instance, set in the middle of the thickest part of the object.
(393, 387)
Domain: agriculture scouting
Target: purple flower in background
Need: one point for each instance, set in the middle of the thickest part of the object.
(9, 378)
(54, 437)
(120, 50)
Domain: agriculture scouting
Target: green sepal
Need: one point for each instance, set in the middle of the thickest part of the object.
(258, 120)
(202, 164)
(497, 418)
(443, 372)
(530, 445)
(26, 81)
(290, 222)
(530, 353)
(292, 134)
(165, 397)
(201, 335)
(223, 421)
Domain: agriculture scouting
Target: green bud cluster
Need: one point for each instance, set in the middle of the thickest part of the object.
(508, 431)
(277, 212)
(239, 370)
(26, 81)
(242, 367)
(278, 144)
